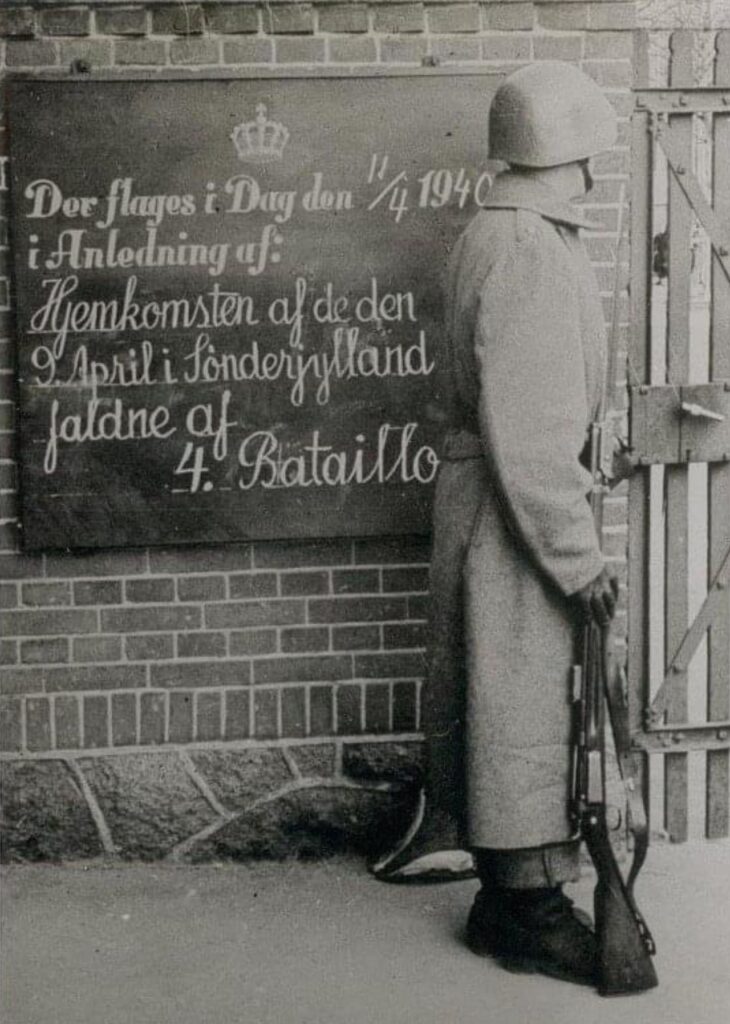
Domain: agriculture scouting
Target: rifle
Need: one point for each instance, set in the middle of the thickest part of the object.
(625, 944)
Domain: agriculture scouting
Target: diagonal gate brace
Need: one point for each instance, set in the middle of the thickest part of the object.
(717, 230)
(679, 663)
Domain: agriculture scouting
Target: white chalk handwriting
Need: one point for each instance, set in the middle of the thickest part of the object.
(169, 316)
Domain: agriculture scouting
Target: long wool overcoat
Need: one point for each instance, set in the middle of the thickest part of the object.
(513, 533)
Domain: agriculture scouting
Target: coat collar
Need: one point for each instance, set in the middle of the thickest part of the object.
(514, 191)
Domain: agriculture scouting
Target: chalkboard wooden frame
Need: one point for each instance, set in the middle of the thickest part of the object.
(43, 531)
(171, 74)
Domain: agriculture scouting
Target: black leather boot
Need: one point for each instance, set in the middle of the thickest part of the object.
(533, 930)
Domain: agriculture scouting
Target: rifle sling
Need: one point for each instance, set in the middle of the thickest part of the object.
(628, 769)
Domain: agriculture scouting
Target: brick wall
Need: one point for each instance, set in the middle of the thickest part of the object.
(216, 696)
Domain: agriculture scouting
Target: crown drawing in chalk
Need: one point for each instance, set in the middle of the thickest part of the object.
(260, 141)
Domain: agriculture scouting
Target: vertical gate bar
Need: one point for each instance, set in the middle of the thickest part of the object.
(717, 821)
(680, 221)
(639, 349)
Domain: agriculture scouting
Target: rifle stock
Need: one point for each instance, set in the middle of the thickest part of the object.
(624, 959)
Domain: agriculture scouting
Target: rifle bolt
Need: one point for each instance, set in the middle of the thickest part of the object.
(643, 389)
(677, 737)
(723, 250)
(680, 169)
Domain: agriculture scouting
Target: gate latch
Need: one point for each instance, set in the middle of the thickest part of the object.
(693, 409)
(670, 423)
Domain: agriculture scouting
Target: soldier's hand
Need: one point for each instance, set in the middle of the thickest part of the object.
(598, 599)
(622, 463)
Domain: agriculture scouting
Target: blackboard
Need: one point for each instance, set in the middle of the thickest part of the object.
(229, 310)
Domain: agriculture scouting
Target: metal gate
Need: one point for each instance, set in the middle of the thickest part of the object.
(679, 499)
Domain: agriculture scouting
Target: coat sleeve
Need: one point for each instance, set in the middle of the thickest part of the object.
(533, 408)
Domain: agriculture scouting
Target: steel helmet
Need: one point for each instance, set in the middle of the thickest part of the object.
(548, 114)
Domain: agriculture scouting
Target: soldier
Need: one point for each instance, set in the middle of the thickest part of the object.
(517, 564)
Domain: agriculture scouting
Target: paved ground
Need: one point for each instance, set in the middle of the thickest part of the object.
(324, 944)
